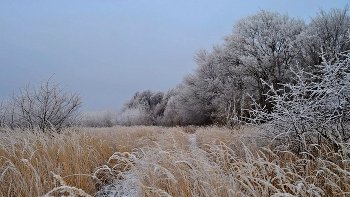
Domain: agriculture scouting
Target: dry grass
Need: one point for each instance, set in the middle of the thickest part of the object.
(166, 162)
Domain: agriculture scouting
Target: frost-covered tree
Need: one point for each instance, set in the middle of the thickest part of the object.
(166, 111)
(328, 32)
(262, 47)
(214, 93)
(171, 116)
(230, 85)
(46, 107)
(315, 109)
(134, 116)
(2, 114)
(143, 104)
(194, 102)
(105, 118)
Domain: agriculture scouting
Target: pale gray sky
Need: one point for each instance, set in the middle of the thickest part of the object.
(109, 49)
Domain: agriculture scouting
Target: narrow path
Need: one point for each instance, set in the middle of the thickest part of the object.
(126, 184)
(127, 187)
(196, 151)
(193, 141)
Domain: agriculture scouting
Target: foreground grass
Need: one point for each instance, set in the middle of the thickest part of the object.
(165, 162)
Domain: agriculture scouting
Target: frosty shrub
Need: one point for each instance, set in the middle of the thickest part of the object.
(134, 116)
(105, 118)
(314, 109)
(46, 107)
(144, 108)
(2, 114)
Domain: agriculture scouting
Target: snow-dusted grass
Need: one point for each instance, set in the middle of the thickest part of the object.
(30, 161)
(156, 161)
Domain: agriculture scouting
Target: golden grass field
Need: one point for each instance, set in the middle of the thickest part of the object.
(190, 161)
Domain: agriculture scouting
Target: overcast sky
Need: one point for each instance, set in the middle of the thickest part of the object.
(107, 50)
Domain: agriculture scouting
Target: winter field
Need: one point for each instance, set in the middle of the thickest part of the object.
(159, 161)
(277, 90)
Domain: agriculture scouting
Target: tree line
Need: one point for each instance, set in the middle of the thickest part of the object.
(272, 70)
(261, 52)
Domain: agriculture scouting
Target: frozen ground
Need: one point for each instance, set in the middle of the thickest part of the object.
(127, 187)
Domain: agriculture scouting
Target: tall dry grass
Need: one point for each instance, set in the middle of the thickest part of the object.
(166, 162)
(29, 160)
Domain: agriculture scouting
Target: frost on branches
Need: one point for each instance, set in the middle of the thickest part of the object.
(314, 109)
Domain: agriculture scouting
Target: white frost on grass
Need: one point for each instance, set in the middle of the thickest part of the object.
(129, 186)
(196, 152)
(122, 181)
(192, 140)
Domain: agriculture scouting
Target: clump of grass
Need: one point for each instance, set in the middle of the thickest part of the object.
(64, 189)
(28, 157)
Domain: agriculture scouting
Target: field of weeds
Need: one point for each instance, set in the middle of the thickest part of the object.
(157, 161)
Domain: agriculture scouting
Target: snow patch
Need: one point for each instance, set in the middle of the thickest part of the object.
(192, 140)
(129, 186)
